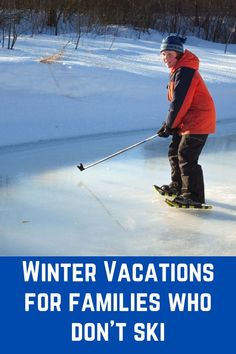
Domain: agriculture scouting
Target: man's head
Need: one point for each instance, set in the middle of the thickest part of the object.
(172, 49)
(173, 42)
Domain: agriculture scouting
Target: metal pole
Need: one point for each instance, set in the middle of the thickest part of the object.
(82, 168)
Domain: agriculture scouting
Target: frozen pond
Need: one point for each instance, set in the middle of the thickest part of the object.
(49, 207)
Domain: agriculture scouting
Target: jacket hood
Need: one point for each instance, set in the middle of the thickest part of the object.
(188, 60)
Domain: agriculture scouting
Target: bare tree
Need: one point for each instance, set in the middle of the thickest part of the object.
(232, 31)
(10, 19)
(208, 19)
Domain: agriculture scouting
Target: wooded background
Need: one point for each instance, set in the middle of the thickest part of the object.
(212, 20)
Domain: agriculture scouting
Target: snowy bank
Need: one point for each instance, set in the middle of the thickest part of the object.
(110, 84)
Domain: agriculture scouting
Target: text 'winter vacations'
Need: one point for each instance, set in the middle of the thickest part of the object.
(37, 271)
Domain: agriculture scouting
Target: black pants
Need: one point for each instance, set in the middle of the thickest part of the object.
(186, 173)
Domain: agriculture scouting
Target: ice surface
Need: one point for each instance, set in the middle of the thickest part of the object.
(49, 207)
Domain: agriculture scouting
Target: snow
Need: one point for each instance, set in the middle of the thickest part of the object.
(108, 94)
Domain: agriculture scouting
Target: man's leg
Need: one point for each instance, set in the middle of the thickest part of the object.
(189, 151)
(176, 181)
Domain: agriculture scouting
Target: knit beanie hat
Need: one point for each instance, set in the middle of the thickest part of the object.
(173, 42)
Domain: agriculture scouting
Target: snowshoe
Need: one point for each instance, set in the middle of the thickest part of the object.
(186, 203)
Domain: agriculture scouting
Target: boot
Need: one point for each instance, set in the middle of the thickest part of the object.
(185, 199)
(171, 189)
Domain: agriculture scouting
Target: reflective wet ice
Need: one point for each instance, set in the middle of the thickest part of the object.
(49, 207)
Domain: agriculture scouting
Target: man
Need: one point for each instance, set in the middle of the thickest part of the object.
(191, 117)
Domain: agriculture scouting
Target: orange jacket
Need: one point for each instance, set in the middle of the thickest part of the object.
(192, 109)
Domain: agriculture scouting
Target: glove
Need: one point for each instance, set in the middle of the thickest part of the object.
(163, 132)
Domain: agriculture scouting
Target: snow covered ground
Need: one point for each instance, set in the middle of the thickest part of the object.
(108, 94)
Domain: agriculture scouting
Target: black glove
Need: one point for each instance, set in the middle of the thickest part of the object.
(163, 132)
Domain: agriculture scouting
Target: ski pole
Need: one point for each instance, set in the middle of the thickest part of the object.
(81, 167)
